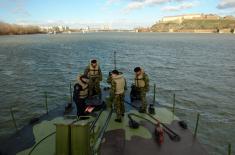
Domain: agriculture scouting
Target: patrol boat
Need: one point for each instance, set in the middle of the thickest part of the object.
(156, 132)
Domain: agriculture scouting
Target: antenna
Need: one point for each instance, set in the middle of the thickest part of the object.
(114, 60)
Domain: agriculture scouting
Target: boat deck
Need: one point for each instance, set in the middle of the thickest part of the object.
(142, 141)
(119, 138)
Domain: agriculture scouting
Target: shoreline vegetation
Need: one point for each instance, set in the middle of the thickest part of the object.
(13, 29)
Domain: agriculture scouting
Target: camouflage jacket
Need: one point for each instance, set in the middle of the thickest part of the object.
(145, 78)
(113, 85)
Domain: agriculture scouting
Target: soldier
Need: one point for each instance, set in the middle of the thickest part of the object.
(94, 74)
(80, 94)
(117, 93)
(142, 86)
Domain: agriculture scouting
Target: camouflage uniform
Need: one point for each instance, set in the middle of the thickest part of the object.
(117, 94)
(142, 85)
(95, 76)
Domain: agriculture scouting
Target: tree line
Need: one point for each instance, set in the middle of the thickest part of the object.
(13, 29)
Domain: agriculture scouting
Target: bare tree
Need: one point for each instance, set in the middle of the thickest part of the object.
(13, 29)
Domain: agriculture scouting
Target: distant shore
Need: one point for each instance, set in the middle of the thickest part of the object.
(187, 26)
(118, 32)
(188, 23)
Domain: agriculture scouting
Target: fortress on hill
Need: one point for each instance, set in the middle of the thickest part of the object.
(179, 19)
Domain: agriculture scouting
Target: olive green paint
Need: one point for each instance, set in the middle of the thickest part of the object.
(40, 131)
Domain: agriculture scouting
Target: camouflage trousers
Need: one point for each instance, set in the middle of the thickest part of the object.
(143, 99)
(94, 87)
(119, 107)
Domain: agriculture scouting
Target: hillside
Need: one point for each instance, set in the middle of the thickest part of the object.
(190, 25)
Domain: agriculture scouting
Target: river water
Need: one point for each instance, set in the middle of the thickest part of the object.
(198, 68)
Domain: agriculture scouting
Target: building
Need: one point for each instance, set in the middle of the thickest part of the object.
(106, 27)
(212, 17)
(54, 28)
(142, 29)
(229, 18)
(228, 30)
(193, 16)
(179, 19)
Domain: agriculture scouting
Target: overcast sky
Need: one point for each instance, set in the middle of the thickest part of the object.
(115, 13)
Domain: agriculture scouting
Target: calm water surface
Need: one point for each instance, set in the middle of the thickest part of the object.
(198, 68)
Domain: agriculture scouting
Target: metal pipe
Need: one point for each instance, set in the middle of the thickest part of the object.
(229, 149)
(46, 102)
(13, 119)
(196, 128)
(71, 95)
(173, 108)
(154, 94)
